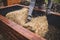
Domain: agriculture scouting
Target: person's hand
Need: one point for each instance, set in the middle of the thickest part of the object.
(29, 18)
(48, 11)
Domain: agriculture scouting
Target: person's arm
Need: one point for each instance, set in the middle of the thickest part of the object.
(49, 5)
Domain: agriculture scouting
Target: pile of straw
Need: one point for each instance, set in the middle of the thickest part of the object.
(39, 25)
(19, 16)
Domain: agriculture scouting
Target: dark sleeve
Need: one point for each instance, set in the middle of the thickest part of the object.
(49, 4)
(40, 1)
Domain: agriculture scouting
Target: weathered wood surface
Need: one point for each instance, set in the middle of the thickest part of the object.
(12, 2)
(10, 28)
(37, 9)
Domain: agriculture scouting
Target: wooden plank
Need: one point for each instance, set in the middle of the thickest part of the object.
(7, 32)
(12, 2)
(10, 32)
(13, 5)
(21, 30)
(37, 9)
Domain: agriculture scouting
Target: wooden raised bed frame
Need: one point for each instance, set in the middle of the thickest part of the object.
(37, 9)
(19, 29)
(16, 32)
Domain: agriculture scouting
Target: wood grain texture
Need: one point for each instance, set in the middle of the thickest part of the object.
(37, 9)
(21, 30)
(12, 2)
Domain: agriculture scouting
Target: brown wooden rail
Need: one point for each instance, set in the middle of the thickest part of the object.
(37, 9)
(19, 29)
(13, 5)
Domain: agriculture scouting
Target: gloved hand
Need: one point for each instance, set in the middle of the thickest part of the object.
(29, 18)
(48, 12)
